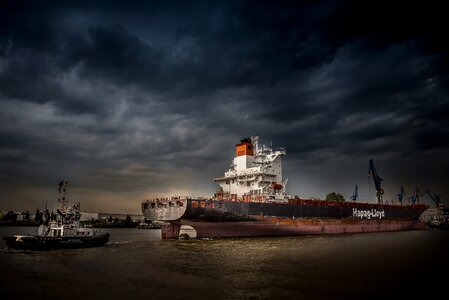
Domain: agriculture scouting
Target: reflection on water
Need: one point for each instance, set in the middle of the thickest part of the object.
(136, 264)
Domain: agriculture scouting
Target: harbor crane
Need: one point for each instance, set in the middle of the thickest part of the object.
(401, 195)
(355, 194)
(414, 199)
(435, 198)
(377, 181)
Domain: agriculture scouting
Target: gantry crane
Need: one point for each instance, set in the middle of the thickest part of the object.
(377, 181)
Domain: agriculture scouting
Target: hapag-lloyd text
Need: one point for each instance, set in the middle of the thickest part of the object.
(372, 213)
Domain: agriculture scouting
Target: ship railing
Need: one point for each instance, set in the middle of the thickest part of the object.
(366, 205)
(244, 175)
(168, 198)
(243, 198)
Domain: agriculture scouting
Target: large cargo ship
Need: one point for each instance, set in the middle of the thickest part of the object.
(252, 201)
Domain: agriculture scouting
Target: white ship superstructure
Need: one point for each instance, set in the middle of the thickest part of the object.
(255, 174)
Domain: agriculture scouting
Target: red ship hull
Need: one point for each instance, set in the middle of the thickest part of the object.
(282, 227)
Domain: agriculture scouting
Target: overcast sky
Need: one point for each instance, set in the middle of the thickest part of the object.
(130, 100)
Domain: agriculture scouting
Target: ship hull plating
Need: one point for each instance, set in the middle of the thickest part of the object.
(207, 218)
(279, 227)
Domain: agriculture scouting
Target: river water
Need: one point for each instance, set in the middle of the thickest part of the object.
(137, 264)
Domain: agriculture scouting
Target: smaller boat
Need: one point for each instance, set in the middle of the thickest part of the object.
(147, 224)
(64, 232)
(440, 221)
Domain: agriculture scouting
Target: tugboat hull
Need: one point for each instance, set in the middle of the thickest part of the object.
(35, 242)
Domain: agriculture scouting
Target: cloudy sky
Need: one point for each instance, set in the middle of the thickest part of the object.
(130, 100)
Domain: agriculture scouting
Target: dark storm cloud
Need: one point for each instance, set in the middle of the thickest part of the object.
(148, 97)
(113, 53)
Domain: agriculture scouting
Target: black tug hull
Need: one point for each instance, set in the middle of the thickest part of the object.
(34, 242)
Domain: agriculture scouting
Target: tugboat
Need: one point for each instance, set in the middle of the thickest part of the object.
(63, 233)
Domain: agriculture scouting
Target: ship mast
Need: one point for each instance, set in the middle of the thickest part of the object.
(63, 191)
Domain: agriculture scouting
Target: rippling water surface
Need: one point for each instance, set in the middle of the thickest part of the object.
(136, 264)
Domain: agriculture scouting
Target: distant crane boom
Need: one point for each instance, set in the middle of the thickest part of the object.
(355, 194)
(435, 198)
(377, 181)
(415, 197)
(401, 194)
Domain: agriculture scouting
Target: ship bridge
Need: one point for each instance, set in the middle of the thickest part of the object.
(256, 170)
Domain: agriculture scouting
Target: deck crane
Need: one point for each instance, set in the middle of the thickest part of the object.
(401, 195)
(377, 181)
(355, 194)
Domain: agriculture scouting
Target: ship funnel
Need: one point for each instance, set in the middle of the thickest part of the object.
(245, 147)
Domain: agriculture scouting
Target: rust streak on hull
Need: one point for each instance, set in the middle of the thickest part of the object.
(288, 227)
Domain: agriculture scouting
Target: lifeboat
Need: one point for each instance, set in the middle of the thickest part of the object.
(276, 186)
